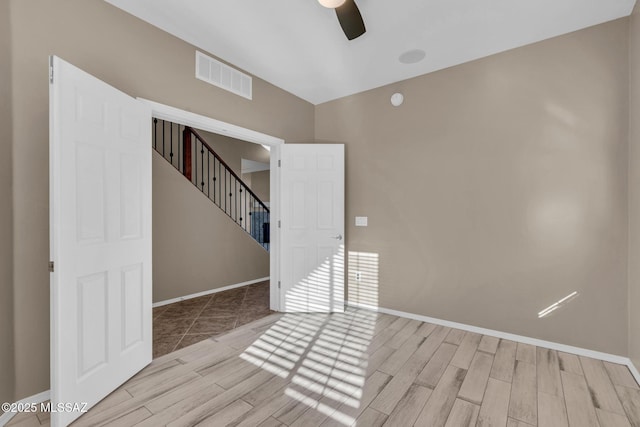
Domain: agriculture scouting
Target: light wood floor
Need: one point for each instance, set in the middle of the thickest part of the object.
(367, 369)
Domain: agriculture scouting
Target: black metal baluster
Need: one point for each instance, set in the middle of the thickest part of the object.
(254, 222)
(195, 157)
(195, 177)
(163, 125)
(226, 204)
(171, 143)
(240, 202)
(214, 179)
(260, 221)
(234, 214)
(208, 170)
(202, 167)
(222, 174)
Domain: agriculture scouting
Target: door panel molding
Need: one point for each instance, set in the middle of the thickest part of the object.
(100, 225)
(312, 247)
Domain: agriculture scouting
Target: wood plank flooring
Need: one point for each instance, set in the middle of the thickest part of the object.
(366, 369)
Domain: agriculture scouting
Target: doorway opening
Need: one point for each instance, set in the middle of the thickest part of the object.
(211, 245)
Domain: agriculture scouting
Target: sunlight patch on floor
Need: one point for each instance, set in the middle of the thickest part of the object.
(324, 356)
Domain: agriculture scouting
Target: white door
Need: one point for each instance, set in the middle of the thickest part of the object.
(100, 218)
(312, 228)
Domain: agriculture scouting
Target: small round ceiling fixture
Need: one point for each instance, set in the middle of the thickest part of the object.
(412, 56)
(331, 4)
(397, 99)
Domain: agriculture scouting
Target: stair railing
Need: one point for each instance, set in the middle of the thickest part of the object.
(187, 151)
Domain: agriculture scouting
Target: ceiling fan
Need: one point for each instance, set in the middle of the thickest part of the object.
(348, 15)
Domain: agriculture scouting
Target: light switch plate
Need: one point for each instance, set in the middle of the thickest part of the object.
(361, 221)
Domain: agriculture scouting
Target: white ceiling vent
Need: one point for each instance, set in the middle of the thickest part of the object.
(218, 74)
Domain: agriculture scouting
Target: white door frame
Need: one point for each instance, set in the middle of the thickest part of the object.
(197, 121)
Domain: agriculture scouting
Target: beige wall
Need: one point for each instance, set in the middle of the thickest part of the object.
(634, 186)
(260, 182)
(233, 151)
(191, 254)
(6, 208)
(136, 58)
(498, 188)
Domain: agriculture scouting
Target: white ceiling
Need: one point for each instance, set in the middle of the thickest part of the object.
(299, 46)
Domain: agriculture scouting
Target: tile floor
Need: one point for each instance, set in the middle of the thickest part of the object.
(187, 322)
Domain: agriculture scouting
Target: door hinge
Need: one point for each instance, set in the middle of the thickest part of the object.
(279, 163)
(51, 69)
(278, 284)
(279, 224)
(51, 266)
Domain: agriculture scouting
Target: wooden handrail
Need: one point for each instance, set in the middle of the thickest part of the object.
(186, 157)
(212, 151)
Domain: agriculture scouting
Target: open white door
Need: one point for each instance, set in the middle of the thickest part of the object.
(100, 219)
(312, 228)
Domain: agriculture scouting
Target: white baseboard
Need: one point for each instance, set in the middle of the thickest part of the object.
(35, 399)
(209, 292)
(634, 371)
(505, 335)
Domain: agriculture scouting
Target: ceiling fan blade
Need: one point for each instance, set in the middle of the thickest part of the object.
(350, 19)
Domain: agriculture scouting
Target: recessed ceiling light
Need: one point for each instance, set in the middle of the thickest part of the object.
(412, 56)
(331, 4)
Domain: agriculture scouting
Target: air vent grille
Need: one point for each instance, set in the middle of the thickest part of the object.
(218, 74)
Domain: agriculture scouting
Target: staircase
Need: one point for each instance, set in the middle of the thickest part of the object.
(194, 158)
